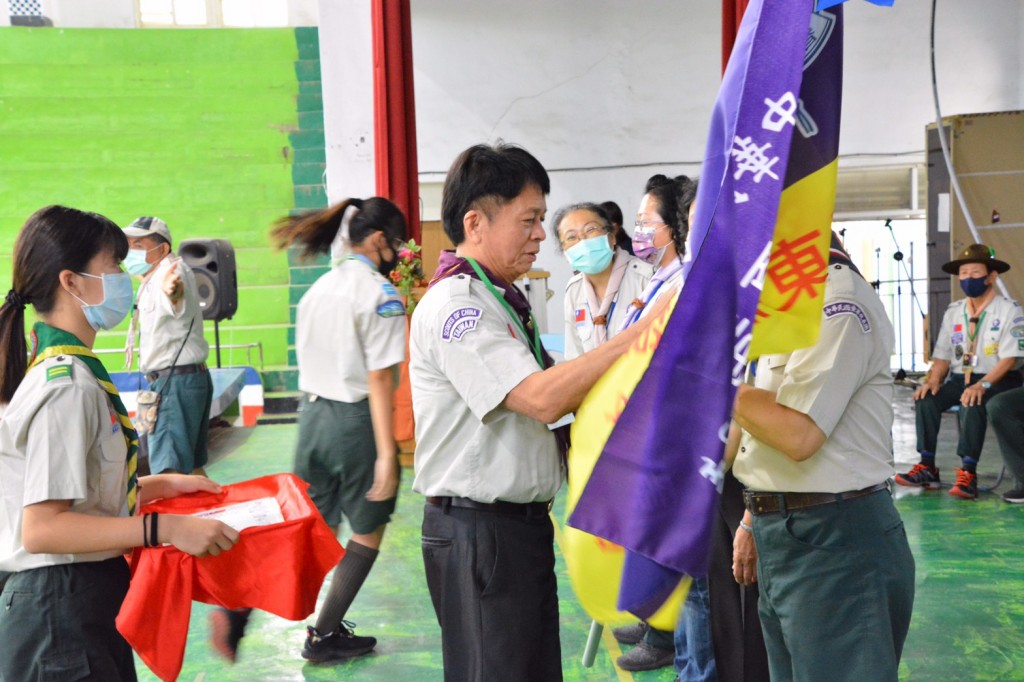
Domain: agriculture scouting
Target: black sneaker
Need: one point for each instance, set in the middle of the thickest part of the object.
(646, 657)
(921, 476)
(342, 643)
(227, 627)
(1014, 496)
(630, 634)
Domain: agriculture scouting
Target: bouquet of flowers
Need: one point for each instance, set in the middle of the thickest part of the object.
(408, 273)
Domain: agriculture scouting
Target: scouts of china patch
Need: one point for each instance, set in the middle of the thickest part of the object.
(391, 309)
(389, 289)
(847, 308)
(460, 323)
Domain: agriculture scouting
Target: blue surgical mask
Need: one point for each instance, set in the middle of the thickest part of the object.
(590, 256)
(135, 261)
(974, 286)
(117, 301)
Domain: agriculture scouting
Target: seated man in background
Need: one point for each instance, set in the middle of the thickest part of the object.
(1006, 412)
(976, 343)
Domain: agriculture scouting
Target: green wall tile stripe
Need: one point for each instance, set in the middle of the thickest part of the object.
(191, 125)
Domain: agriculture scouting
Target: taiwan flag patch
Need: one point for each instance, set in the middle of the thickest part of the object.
(581, 316)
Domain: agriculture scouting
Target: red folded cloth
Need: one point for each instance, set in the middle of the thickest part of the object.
(278, 568)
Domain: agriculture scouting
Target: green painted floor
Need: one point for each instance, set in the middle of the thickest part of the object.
(968, 616)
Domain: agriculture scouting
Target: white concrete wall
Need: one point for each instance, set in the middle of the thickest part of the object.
(346, 74)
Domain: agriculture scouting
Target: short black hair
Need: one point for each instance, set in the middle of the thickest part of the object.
(486, 177)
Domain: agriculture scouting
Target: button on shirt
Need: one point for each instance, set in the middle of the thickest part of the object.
(844, 384)
(999, 335)
(466, 355)
(60, 439)
(350, 322)
(579, 320)
(163, 326)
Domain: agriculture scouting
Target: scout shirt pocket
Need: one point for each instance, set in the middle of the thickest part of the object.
(771, 370)
(108, 472)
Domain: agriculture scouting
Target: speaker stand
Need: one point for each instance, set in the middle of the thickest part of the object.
(216, 340)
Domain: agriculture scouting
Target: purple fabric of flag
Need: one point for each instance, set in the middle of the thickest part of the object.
(655, 487)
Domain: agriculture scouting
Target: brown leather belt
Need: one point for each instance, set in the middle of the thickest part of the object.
(771, 503)
(510, 508)
(177, 369)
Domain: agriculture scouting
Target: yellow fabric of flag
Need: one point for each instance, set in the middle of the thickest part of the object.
(789, 309)
(595, 565)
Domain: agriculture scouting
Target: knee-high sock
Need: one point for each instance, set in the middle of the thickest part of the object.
(348, 578)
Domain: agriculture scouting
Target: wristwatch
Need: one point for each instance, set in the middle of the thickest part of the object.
(986, 385)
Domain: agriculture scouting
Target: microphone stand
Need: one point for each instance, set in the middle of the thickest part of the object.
(898, 257)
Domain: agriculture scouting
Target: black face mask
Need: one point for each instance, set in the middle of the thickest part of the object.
(386, 266)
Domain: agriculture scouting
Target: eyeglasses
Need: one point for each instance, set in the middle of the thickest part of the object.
(570, 239)
(646, 226)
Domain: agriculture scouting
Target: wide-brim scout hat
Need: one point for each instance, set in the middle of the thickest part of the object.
(976, 253)
(148, 226)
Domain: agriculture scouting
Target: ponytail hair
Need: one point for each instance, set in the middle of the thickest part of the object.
(53, 239)
(674, 196)
(324, 231)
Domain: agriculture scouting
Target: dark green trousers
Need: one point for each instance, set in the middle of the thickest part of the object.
(837, 590)
(1006, 412)
(973, 420)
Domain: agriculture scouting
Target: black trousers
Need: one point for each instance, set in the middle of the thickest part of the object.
(57, 623)
(740, 654)
(492, 581)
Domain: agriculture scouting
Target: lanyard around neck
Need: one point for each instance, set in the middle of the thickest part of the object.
(534, 339)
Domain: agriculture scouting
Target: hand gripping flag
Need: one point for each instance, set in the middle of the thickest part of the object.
(654, 488)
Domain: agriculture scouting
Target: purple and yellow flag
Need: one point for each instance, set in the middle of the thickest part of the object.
(771, 153)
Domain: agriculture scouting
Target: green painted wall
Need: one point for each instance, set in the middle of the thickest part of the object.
(218, 132)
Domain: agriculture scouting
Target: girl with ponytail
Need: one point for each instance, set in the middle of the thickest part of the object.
(350, 332)
(68, 456)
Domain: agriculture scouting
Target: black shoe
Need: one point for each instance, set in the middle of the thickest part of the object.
(1014, 496)
(646, 657)
(630, 634)
(227, 627)
(342, 643)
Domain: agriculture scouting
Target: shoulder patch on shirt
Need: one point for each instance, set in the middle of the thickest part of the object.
(59, 368)
(389, 289)
(391, 309)
(1017, 331)
(848, 308)
(460, 322)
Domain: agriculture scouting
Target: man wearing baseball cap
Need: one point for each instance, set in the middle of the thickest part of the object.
(975, 343)
(172, 350)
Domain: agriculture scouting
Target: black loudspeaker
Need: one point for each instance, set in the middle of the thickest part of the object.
(213, 263)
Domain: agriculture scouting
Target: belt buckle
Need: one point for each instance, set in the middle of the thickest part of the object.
(755, 502)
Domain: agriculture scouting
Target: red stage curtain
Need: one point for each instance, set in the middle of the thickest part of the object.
(732, 15)
(395, 110)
